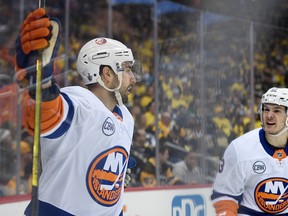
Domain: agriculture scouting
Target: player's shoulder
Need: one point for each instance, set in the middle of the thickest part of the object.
(249, 137)
(246, 144)
(81, 95)
(75, 90)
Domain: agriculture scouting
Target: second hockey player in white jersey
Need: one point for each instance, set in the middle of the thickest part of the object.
(253, 174)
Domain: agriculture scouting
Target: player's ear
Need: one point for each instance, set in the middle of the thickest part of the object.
(105, 74)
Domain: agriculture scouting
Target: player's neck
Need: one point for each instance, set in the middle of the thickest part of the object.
(107, 98)
(277, 141)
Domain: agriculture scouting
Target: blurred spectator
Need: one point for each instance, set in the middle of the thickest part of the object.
(165, 125)
(150, 115)
(141, 150)
(25, 184)
(141, 121)
(221, 121)
(148, 172)
(180, 98)
(187, 170)
(26, 168)
(187, 129)
(148, 97)
(7, 163)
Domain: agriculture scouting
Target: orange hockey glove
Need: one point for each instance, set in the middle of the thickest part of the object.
(226, 208)
(35, 31)
(38, 33)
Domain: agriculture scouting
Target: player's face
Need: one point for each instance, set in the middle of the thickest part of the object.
(274, 117)
(128, 80)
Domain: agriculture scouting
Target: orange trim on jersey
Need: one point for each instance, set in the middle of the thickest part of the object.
(226, 207)
(279, 154)
(51, 114)
(118, 116)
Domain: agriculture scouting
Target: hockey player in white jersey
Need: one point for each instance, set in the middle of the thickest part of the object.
(253, 177)
(86, 133)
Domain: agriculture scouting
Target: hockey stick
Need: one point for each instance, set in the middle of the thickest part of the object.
(37, 130)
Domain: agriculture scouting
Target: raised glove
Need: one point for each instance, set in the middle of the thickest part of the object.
(38, 34)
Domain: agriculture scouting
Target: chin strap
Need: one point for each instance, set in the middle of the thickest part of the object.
(115, 90)
(118, 97)
(279, 133)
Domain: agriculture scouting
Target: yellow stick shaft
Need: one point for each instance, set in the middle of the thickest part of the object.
(37, 131)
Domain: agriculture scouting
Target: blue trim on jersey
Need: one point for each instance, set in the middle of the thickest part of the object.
(67, 123)
(46, 209)
(118, 111)
(248, 211)
(216, 195)
(131, 162)
(268, 148)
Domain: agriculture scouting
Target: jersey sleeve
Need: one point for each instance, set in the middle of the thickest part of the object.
(56, 115)
(229, 182)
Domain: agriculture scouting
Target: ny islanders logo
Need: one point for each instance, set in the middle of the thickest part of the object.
(105, 176)
(271, 195)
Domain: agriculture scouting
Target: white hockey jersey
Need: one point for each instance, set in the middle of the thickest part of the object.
(84, 158)
(254, 174)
